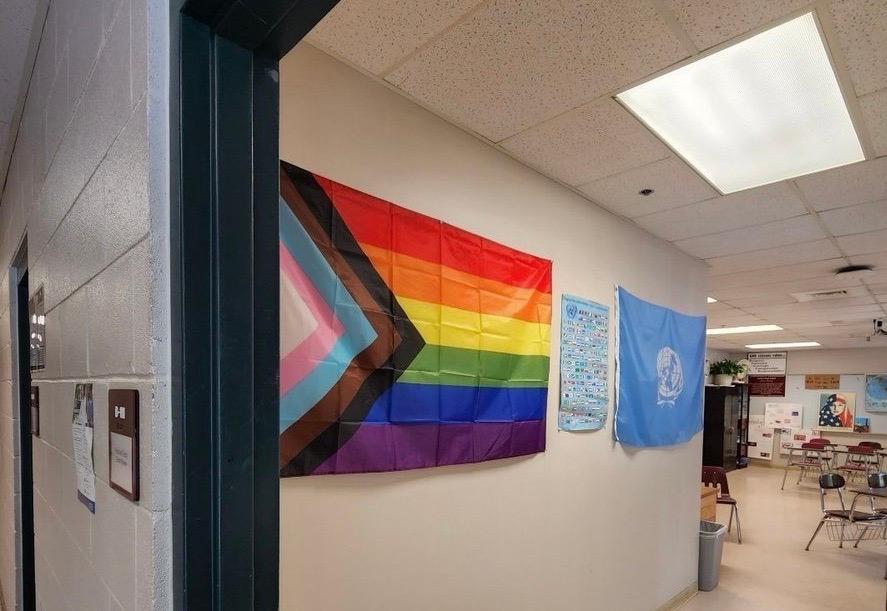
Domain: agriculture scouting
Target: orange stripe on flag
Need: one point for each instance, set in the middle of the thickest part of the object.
(434, 283)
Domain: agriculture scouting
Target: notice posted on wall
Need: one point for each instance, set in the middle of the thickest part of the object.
(83, 428)
(584, 393)
(760, 439)
(783, 415)
(794, 438)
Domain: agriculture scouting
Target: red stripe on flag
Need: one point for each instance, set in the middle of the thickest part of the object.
(383, 224)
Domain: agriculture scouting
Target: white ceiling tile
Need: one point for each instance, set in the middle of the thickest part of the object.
(374, 34)
(749, 300)
(742, 209)
(781, 255)
(878, 260)
(590, 142)
(810, 307)
(781, 273)
(874, 115)
(788, 231)
(856, 219)
(710, 22)
(713, 308)
(738, 295)
(858, 183)
(862, 243)
(861, 26)
(672, 180)
(515, 63)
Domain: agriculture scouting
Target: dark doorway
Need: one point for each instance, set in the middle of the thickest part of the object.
(22, 354)
(224, 203)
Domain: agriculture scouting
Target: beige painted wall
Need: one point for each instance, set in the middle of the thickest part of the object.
(587, 524)
(86, 189)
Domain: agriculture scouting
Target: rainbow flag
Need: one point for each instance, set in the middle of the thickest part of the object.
(405, 342)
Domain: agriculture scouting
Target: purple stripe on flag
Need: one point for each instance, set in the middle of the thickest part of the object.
(383, 446)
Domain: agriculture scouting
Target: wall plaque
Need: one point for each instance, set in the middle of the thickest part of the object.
(822, 381)
(123, 441)
(35, 411)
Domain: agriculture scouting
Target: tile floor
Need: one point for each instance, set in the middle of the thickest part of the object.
(770, 571)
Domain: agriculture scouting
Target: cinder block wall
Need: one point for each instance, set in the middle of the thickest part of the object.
(85, 188)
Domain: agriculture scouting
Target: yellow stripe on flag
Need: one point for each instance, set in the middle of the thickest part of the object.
(457, 328)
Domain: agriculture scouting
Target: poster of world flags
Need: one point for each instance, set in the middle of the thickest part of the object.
(405, 342)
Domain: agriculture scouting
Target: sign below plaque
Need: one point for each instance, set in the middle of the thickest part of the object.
(766, 386)
(123, 441)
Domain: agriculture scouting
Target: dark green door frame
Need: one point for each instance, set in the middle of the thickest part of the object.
(224, 253)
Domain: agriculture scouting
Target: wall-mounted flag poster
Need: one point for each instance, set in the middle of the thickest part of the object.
(404, 342)
(876, 392)
(836, 410)
(585, 332)
(660, 359)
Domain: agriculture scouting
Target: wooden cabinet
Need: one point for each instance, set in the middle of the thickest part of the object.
(725, 431)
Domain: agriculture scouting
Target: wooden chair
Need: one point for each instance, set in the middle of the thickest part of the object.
(717, 476)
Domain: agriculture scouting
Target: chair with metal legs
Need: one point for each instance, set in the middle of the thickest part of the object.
(844, 522)
(717, 476)
(810, 457)
(876, 481)
(861, 461)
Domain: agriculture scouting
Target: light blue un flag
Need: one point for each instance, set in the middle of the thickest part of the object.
(660, 358)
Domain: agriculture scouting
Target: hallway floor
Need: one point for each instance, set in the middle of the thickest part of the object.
(771, 571)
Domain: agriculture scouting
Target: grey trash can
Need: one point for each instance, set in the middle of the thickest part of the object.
(711, 544)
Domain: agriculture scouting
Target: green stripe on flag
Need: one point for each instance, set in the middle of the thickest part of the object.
(462, 367)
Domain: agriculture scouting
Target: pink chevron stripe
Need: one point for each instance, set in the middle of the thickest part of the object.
(295, 365)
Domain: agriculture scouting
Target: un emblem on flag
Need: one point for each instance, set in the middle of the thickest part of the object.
(670, 374)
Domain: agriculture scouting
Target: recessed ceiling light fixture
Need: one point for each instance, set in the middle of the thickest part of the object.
(711, 300)
(783, 345)
(748, 329)
(762, 110)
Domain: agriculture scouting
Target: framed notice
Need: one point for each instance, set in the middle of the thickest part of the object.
(766, 374)
(123, 441)
(766, 363)
(822, 381)
(766, 386)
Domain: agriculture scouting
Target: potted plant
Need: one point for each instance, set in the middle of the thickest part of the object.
(724, 370)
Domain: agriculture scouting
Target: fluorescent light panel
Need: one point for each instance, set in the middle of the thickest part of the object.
(749, 329)
(711, 300)
(783, 345)
(765, 109)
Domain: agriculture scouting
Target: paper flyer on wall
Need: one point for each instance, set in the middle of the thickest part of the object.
(783, 415)
(82, 428)
(584, 392)
(760, 439)
(794, 438)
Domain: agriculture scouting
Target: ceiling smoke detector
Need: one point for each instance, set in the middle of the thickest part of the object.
(854, 271)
